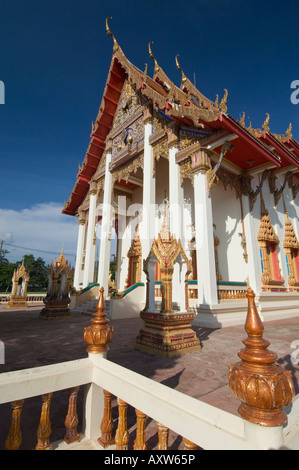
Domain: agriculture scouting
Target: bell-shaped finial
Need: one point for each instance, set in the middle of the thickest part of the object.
(262, 386)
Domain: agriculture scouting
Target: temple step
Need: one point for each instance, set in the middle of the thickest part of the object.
(89, 308)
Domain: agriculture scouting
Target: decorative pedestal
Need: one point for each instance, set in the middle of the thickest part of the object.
(167, 334)
(55, 308)
(17, 302)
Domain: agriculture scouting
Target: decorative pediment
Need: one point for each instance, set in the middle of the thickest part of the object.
(266, 232)
(290, 238)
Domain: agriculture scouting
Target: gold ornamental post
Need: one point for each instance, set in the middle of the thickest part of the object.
(262, 386)
(99, 334)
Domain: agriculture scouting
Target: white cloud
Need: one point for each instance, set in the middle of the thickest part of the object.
(41, 227)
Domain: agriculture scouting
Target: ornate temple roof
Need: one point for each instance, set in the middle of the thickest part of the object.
(187, 106)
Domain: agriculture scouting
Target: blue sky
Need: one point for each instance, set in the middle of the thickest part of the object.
(54, 60)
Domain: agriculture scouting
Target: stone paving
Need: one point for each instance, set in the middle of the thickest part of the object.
(31, 341)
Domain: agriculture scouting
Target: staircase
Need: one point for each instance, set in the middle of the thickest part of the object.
(89, 308)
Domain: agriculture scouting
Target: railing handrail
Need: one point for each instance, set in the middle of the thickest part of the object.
(177, 411)
(27, 383)
(207, 426)
(174, 409)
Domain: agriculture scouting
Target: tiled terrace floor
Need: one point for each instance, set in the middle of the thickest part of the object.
(31, 341)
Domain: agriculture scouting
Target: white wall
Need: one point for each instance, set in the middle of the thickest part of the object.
(227, 218)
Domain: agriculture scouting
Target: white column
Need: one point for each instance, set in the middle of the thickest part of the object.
(254, 260)
(105, 237)
(205, 256)
(88, 276)
(147, 226)
(78, 274)
(176, 195)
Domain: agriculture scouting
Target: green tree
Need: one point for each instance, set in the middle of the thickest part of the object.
(37, 270)
(6, 272)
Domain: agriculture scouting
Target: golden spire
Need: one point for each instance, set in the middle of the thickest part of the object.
(184, 78)
(266, 123)
(109, 33)
(222, 106)
(289, 131)
(157, 68)
(242, 120)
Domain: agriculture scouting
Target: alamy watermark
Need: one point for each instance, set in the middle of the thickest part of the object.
(2, 92)
(295, 94)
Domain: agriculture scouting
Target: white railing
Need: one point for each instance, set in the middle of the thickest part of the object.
(30, 297)
(206, 426)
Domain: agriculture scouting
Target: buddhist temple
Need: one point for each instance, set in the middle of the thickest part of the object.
(231, 191)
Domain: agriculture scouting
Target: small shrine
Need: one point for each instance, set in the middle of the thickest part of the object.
(167, 332)
(59, 286)
(20, 279)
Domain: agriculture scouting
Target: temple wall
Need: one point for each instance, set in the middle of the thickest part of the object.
(228, 225)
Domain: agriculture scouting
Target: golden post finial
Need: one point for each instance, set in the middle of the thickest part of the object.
(98, 335)
(157, 68)
(109, 33)
(179, 68)
(262, 386)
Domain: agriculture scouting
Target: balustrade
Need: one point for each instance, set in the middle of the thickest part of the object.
(202, 422)
(14, 438)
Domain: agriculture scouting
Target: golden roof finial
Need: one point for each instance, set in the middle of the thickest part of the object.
(242, 120)
(289, 131)
(109, 33)
(179, 68)
(157, 68)
(222, 106)
(266, 126)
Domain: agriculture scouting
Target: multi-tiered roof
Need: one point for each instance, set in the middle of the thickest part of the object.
(186, 105)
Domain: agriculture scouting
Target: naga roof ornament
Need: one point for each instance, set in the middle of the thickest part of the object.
(109, 33)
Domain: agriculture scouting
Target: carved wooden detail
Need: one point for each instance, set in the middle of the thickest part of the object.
(140, 443)
(44, 428)
(268, 242)
(122, 435)
(71, 420)
(106, 438)
(14, 438)
(291, 248)
(188, 445)
(163, 434)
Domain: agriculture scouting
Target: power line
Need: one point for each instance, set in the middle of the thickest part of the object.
(34, 249)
